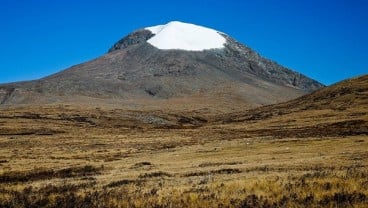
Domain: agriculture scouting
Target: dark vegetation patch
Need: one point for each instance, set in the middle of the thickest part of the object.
(80, 119)
(155, 174)
(60, 117)
(213, 172)
(52, 189)
(35, 175)
(141, 164)
(337, 129)
(208, 164)
(195, 120)
(29, 131)
(120, 183)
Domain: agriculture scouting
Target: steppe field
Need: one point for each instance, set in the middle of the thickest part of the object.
(65, 156)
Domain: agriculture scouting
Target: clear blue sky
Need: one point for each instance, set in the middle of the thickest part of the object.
(324, 39)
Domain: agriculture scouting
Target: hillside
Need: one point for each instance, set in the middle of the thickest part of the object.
(337, 110)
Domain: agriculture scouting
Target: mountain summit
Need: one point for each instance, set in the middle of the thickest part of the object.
(176, 65)
(184, 36)
(176, 35)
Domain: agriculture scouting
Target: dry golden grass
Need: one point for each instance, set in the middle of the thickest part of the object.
(69, 157)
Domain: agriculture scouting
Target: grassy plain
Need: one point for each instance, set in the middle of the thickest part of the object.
(64, 156)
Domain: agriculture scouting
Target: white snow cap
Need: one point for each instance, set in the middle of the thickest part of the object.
(185, 36)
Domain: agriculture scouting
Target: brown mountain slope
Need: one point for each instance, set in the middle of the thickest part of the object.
(340, 110)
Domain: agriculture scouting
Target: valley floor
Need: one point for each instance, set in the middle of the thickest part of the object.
(68, 159)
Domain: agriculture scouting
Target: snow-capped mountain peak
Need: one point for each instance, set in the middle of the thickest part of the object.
(185, 36)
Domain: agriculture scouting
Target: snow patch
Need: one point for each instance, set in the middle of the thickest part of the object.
(155, 29)
(185, 36)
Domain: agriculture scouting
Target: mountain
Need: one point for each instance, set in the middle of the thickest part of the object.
(337, 110)
(177, 65)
